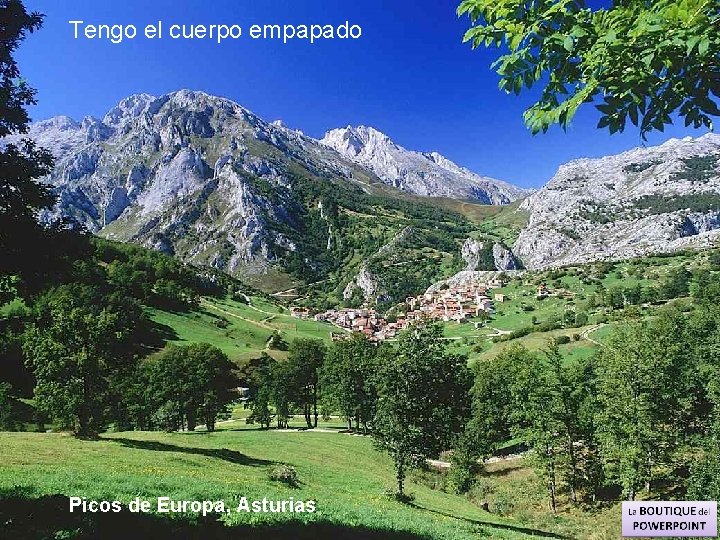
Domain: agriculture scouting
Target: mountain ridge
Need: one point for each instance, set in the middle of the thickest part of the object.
(203, 178)
(422, 173)
(646, 200)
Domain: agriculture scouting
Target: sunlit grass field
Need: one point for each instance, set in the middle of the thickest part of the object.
(238, 329)
(343, 473)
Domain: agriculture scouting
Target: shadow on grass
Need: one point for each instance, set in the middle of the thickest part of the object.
(503, 472)
(157, 334)
(490, 525)
(23, 517)
(231, 456)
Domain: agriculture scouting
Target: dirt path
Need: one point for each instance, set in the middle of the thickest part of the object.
(288, 292)
(585, 334)
(446, 464)
(261, 324)
(497, 333)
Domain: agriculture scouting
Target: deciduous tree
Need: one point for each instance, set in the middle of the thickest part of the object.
(347, 379)
(305, 359)
(643, 399)
(77, 340)
(423, 399)
(636, 60)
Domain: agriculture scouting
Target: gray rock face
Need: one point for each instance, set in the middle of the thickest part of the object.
(204, 178)
(187, 173)
(647, 200)
(470, 252)
(366, 282)
(503, 257)
(428, 174)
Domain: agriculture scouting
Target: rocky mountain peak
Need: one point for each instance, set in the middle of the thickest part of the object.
(59, 123)
(427, 174)
(358, 141)
(128, 108)
(206, 179)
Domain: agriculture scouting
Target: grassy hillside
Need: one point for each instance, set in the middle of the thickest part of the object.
(525, 318)
(342, 473)
(239, 329)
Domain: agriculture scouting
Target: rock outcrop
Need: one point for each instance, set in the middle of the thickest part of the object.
(648, 200)
(503, 258)
(366, 283)
(487, 256)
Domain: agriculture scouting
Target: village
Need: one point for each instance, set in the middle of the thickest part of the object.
(446, 303)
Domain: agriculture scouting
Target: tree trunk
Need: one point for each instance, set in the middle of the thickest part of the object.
(315, 408)
(551, 479)
(306, 407)
(83, 429)
(84, 414)
(191, 418)
(573, 470)
(400, 469)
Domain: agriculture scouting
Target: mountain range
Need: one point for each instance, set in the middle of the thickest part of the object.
(354, 213)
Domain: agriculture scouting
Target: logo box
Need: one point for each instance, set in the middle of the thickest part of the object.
(677, 518)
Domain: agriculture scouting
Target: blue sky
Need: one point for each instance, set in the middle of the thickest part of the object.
(410, 76)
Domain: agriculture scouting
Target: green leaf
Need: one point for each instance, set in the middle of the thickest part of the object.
(703, 46)
(604, 122)
(633, 111)
(578, 32)
(691, 42)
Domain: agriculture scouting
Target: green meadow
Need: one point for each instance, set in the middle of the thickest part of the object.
(343, 473)
(240, 330)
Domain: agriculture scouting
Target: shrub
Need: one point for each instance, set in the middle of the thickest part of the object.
(166, 417)
(502, 504)
(480, 491)
(704, 482)
(285, 474)
(277, 342)
(429, 477)
(464, 469)
(562, 340)
(222, 323)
